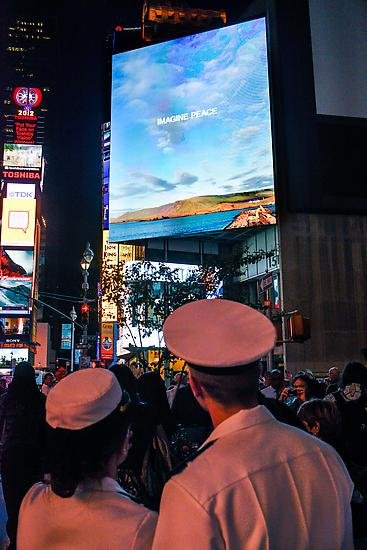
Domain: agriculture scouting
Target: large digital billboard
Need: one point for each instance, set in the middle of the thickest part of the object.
(16, 277)
(14, 331)
(191, 147)
(15, 294)
(66, 329)
(18, 222)
(16, 263)
(22, 156)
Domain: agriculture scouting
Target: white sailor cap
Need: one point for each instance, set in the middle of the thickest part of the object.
(83, 398)
(218, 336)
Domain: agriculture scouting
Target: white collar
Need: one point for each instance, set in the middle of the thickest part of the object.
(245, 418)
(105, 484)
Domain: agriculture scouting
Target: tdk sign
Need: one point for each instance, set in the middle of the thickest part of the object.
(20, 195)
(20, 191)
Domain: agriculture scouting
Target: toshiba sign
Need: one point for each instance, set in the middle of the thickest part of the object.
(21, 175)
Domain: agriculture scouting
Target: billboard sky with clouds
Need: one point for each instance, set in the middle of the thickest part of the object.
(191, 117)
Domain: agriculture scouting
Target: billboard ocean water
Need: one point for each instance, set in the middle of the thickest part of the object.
(15, 295)
(191, 147)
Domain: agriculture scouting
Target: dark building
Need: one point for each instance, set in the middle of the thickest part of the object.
(27, 52)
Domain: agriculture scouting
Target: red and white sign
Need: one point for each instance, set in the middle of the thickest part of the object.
(27, 97)
(266, 282)
(21, 175)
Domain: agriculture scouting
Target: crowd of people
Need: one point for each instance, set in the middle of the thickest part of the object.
(223, 459)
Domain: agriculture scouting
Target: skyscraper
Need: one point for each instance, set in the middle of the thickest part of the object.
(26, 83)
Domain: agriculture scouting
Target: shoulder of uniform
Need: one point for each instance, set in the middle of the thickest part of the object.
(182, 465)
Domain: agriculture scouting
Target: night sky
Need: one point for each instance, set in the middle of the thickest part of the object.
(72, 197)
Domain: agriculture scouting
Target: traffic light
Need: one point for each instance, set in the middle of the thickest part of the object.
(85, 313)
(299, 327)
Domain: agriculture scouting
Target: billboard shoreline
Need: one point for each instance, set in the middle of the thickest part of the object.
(191, 135)
(177, 227)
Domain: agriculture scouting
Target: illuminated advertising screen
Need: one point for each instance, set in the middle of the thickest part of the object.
(191, 147)
(22, 156)
(18, 222)
(16, 276)
(77, 355)
(16, 263)
(106, 143)
(66, 336)
(107, 341)
(25, 128)
(15, 293)
(14, 330)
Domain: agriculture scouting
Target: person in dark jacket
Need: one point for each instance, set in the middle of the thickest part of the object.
(351, 401)
(22, 429)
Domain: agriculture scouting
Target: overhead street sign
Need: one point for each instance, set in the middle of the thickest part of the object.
(266, 282)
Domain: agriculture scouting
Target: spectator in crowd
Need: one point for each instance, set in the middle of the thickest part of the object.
(22, 425)
(126, 379)
(48, 383)
(60, 373)
(151, 390)
(264, 380)
(351, 401)
(149, 462)
(3, 385)
(276, 384)
(83, 506)
(193, 424)
(135, 474)
(304, 388)
(256, 483)
(321, 417)
(180, 380)
(333, 380)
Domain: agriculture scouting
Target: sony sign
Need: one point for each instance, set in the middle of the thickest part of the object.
(21, 191)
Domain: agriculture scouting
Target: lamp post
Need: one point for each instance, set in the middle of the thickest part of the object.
(84, 264)
(73, 318)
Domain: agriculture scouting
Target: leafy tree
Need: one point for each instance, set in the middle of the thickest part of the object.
(145, 293)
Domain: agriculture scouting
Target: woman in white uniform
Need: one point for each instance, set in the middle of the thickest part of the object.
(83, 506)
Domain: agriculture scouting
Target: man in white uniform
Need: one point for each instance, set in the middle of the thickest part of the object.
(255, 483)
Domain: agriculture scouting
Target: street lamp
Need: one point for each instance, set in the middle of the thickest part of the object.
(73, 318)
(84, 264)
(88, 254)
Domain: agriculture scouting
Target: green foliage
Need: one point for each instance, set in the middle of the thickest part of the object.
(145, 293)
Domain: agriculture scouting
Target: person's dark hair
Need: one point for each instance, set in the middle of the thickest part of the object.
(234, 389)
(275, 373)
(125, 378)
(314, 388)
(324, 412)
(152, 390)
(76, 455)
(354, 372)
(23, 387)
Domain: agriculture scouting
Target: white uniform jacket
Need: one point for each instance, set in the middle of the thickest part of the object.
(261, 485)
(100, 516)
